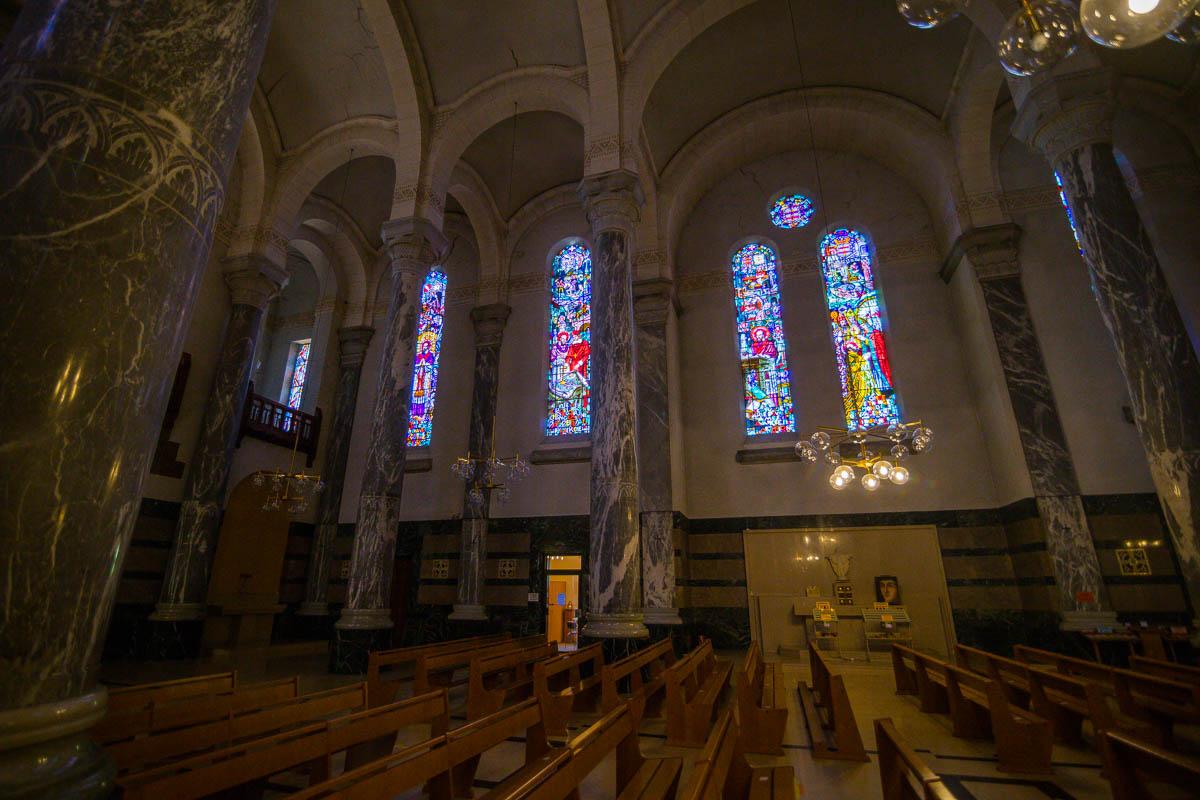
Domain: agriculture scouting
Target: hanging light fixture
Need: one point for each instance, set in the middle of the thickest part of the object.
(1039, 35)
(1188, 31)
(927, 14)
(878, 452)
(289, 491)
(487, 474)
(1132, 23)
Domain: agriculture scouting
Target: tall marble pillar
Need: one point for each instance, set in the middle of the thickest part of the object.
(352, 348)
(414, 246)
(1069, 119)
(994, 255)
(115, 161)
(253, 281)
(489, 323)
(652, 307)
(612, 201)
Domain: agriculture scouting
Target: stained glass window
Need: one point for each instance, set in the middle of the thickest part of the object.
(425, 361)
(570, 380)
(862, 359)
(791, 211)
(1062, 195)
(299, 372)
(761, 345)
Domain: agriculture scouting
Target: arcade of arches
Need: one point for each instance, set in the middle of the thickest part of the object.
(549, 295)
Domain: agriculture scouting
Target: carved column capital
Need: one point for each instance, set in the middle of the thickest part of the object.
(992, 250)
(612, 200)
(653, 301)
(489, 323)
(253, 280)
(1068, 112)
(413, 245)
(352, 344)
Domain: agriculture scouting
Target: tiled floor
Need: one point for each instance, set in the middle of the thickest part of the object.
(968, 767)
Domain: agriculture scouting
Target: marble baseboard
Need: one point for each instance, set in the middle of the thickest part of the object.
(172, 641)
(350, 648)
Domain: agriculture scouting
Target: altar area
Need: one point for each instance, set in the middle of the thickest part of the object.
(792, 584)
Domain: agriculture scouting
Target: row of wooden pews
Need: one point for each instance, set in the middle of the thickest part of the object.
(827, 713)
(903, 775)
(695, 684)
(761, 703)
(388, 670)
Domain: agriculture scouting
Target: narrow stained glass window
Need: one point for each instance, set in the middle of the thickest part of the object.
(425, 362)
(761, 345)
(1062, 195)
(862, 359)
(569, 406)
(791, 211)
(299, 373)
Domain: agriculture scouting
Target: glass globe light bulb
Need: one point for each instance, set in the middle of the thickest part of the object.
(846, 472)
(837, 481)
(899, 476)
(870, 481)
(833, 456)
(926, 14)
(899, 451)
(820, 440)
(259, 480)
(882, 468)
(1038, 36)
(806, 452)
(1188, 31)
(1132, 23)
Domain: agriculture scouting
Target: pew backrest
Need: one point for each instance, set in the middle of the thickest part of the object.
(125, 697)
(721, 765)
(657, 658)
(1165, 669)
(1132, 763)
(383, 666)
(903, 774)
(429, 666)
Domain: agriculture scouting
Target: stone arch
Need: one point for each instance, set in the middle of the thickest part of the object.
(549, 201)
(472, 193)
(893, 132)
(347, 250)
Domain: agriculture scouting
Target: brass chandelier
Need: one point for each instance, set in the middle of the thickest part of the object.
(290, 491)
(878, 452)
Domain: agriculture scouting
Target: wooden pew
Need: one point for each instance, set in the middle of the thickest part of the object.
(363, 737)
(929, 675)
(446, 764)
(570, 682)
(695, 684)
(121, 698)
(722, 773)
(637, 778)
(1165, 669)
(439, 668)
(178, 712)
(827, 713)
(496, 680)
(906, 675)
(384, 667)
(1013, 675)
(654, 659)
(761, 704)
(979, 707)
(1133, 766)
(903, 775)
(166, 745)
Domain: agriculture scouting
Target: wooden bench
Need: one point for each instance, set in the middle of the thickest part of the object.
(904, 671)
(722, 773)
(233, 727)
(570, 682)
(929, 677)
(979, 708)
(177, 712)
(121, 698)
(695, 684)
(494, 681)
(435, 669)
(827, 713)
(761, 704)
(386, 671)
(637, 778)
(1013, 675)
(1165, 669)
(903, 775)
(364, 737)
(654, 660)
(1133, 766)
(446, 764)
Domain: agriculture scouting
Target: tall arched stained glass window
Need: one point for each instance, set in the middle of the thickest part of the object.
(425, 362)
(569, 402)
(761, 344)
(862, 357)
(300, 353)
(1062, 195)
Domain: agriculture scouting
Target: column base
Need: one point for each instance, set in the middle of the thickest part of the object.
(313, 610)
(172, 640)
(468, 612)
(661, 616)
(350, 648)
(1087, 620)
(615, 626)
(365, 619)
(177, 612)
(45, 751)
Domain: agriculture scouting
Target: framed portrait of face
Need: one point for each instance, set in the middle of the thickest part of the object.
(887, 589)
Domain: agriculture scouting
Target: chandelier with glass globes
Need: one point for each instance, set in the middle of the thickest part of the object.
(879, 452)
(1044, 32)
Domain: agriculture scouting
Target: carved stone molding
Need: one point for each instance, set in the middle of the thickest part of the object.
(653, 301)
(253, 280)
(1065, 113)
(413, 244)
(612, 200)
(352, 344)
(992, 250)
(489, 323)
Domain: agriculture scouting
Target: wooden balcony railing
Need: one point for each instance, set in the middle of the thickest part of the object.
(274, 422)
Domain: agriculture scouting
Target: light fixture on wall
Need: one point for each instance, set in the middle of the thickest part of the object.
(289, 491)
(878, 452)
(486, 474)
